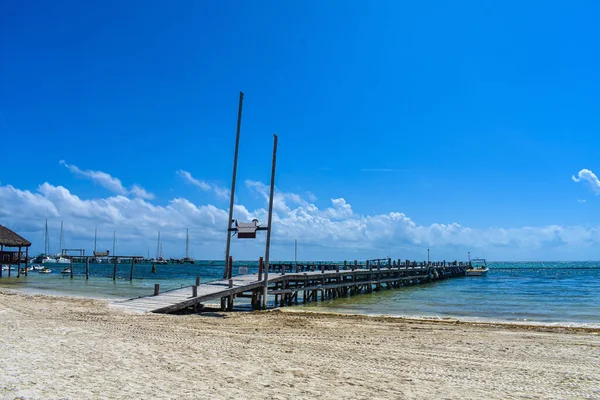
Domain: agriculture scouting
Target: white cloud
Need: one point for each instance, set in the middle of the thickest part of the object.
(205, 186)
(581, 201)
(108, 182)
(140, 192)
(101, 178)
(588, 176)
(333, 232)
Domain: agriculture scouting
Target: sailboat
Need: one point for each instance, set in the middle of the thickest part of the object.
(59, 257)
(45, 258)
(187, 259)
(98, 256)
(159, 257)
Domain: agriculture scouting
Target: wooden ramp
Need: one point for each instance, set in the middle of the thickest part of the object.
(177, 299)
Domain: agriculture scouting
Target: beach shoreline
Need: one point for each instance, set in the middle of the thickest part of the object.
(34, 292)
(65, 347)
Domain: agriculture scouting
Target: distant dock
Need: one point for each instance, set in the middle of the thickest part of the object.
(292, 283)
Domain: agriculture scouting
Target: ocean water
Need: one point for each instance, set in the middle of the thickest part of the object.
(550, 292)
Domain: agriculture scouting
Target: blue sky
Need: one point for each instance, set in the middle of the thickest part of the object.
(470, 113)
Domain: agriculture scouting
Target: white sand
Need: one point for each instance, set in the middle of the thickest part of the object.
(78, 349)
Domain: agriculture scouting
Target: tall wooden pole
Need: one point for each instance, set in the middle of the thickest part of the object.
(232, 194)
(269, 223)
(115, 261)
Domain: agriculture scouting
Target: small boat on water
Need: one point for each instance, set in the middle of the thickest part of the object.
(37, 267)
(66, 271)
(478, 267)
(45, 271)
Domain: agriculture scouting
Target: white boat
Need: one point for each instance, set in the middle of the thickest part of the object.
(62, 260)
(48, 260)
(477, 267)
(45, 271)
(66, 271)
(37, 267)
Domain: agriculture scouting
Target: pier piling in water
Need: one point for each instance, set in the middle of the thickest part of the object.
(131, 271)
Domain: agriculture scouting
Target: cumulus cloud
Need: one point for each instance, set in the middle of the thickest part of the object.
(334, 231)
(585, 175)
(108, 182)
(220, 192)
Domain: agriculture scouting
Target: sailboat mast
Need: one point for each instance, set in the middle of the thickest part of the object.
(187, 243)
(61, 237)
(46, 244)
(95, 237)
(158, 247)
(114, 242)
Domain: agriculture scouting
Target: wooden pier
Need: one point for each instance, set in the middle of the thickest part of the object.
(304, 283)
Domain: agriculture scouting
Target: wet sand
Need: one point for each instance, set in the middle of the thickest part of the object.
(58, 347)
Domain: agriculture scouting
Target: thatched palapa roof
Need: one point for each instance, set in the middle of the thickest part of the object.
(10, 239)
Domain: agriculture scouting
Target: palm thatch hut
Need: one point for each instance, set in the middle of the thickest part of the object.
(9, 238)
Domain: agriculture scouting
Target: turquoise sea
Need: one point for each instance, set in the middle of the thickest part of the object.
(566, 293)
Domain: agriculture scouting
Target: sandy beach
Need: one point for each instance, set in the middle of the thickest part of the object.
(56, 348)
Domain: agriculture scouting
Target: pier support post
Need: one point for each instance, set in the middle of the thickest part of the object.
(260, 268)
(18, 265)
(230, 300)
(156, 289)
(194, 291)
(71, 267)
(87, 269)
(131, 271)
(115, 269)
(197, 281)
(26, 259)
